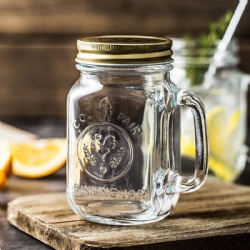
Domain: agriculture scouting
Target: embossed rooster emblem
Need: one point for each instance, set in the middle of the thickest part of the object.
(103, 151)
(105, 148)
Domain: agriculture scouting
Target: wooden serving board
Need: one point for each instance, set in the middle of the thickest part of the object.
(216, 216)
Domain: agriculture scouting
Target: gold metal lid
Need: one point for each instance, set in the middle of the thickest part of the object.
(123, 50)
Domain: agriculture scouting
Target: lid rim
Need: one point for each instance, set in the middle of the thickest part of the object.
(101, 48)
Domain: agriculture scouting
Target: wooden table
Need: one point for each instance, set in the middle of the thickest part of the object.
(213, 222)
(11, 238)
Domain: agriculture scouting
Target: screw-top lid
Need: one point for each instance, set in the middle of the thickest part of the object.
(123, 50)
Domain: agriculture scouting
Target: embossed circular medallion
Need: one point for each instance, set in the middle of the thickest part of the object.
(105, 151)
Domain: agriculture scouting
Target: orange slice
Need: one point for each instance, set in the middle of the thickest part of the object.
(3, 179)
(38, 158)
(5, 157)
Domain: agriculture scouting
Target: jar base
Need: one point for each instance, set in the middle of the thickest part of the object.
(122, 222)
(137, 217)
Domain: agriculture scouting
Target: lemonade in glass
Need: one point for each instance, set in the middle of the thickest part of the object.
(226, 118)
(224, 96)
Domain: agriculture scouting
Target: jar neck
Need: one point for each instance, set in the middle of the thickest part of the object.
(127, 75)
(131, 69)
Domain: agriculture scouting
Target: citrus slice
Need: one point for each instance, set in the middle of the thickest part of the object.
(223, 129)
(187, 146)
(38, 158)
(222, 169)
(3, 179)
(217, 129)
(5, 157)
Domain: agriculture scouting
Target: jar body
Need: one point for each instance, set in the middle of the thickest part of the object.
(123, 131)
(123, 146)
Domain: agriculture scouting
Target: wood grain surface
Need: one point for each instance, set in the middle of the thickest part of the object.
(216, 216)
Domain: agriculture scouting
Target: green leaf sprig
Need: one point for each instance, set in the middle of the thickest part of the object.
(215, 32)
(205, 40)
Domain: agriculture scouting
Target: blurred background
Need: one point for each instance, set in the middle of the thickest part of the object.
(37, 64)
(38, 49)
(38, 43)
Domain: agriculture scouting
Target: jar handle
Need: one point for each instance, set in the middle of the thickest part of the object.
(192, 183)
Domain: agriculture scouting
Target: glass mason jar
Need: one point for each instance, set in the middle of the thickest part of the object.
(123, 130)
(222, 87)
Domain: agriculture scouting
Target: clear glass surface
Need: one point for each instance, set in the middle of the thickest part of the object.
(123, 132)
